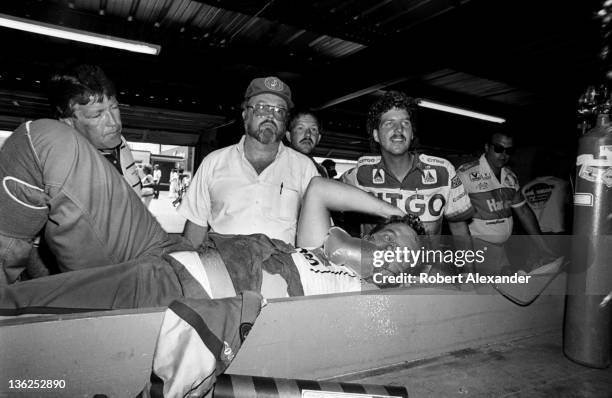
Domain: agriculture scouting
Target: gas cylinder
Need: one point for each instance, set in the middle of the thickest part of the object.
(588, 323)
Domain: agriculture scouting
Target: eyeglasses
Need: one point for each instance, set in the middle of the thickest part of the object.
(278, 112)
(501, 149)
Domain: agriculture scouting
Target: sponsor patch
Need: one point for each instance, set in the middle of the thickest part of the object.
(434, 160)
(475, 176)
(378, 176)
(482, 185)
(430, 176)
(368, 160)
(459, 197)
(455, 182)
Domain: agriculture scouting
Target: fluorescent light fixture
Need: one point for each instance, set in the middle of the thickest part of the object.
(459, 111)
(42, 28)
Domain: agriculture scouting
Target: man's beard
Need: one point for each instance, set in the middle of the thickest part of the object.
(267, 132)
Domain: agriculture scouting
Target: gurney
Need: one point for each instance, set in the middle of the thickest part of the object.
(327, 337)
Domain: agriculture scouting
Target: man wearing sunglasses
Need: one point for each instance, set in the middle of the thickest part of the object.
(495, 195)
(257, 185)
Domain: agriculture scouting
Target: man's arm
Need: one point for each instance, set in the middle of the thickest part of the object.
(325, 195)
(462, 240)
(459, 228)
(195, 233)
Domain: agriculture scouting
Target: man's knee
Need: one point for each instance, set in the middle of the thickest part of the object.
(14, 257)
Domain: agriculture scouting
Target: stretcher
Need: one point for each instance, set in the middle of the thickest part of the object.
(315, 338)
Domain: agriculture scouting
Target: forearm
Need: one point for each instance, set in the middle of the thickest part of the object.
(462, 241)
(325, 195)
(195, 233)
(332, 195)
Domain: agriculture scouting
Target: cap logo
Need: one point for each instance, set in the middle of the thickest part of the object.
(273, 84)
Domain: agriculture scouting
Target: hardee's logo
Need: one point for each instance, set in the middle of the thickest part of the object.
(273, 84)
(378, 176)
(430, 176)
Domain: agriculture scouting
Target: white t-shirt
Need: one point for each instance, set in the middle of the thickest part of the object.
(227, 194)
(547, 197)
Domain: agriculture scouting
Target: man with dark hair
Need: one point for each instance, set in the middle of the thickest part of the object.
(495, 193)
(304, 134)
(330, 168)
(84, 98)
(423, 185)
(257, 185)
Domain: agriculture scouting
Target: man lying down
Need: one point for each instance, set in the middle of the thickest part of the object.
(227, 265)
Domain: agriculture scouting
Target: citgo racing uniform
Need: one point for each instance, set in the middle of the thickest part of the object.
(429, 190)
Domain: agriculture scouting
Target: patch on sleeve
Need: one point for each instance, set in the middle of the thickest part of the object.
(455, 182)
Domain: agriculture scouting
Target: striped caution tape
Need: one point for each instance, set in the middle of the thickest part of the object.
(235, 386)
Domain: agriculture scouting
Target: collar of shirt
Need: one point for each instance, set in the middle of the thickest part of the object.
(416, 165)
(486, 168)
(240, 148)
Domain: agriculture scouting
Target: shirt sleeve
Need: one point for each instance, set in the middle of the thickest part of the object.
(459, 207)
(196, 205)
(350, 177)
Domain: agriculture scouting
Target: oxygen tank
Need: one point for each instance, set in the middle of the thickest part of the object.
(588, 323)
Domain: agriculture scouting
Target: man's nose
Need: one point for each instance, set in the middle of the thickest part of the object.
(112, 118)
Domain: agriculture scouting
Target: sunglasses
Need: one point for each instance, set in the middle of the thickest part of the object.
(501, 149)
(279, 113)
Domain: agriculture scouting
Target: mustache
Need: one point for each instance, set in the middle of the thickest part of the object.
(307, 140)
(267, 122)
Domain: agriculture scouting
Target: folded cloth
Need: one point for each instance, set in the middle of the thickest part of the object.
(245, 256)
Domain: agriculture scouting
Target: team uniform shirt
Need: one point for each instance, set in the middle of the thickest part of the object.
(493, 200)
(228, 194)
(547, 197)
(54, 179)
(430, 189)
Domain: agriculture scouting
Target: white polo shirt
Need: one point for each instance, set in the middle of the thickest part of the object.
(228, 195)
(492, 200)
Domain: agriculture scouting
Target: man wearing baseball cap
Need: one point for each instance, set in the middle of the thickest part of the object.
(256, 185)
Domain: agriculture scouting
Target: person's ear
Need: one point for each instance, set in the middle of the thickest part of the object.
(486, 147)
(375, 135)
(288, 135)
(318, 139)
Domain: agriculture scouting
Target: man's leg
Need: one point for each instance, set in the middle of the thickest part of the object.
(147, 282)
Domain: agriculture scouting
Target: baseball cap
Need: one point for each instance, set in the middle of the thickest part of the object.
(272, 85)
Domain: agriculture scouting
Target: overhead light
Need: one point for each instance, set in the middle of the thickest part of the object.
(42, 28)
(459, 111)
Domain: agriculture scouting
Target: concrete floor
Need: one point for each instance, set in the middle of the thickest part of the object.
(166, 214)
(530, 367)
